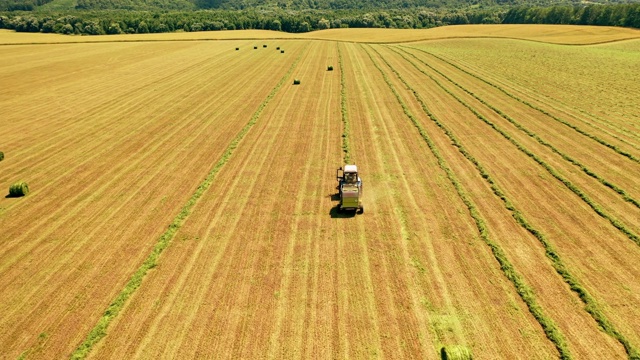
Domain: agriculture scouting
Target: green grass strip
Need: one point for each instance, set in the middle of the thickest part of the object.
(100, 330)
(346, 150)
(591, 306)
(562, 121)
(520, 127)
(525, 292)
(595, 206)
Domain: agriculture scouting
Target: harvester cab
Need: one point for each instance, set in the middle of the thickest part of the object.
(350, 188)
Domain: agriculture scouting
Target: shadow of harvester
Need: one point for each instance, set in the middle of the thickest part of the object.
(336, 213)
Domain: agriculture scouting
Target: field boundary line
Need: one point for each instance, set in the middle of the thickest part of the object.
(522, 128)
(99, 331)
(323, 39)
(525, 292)
(568, 184)
(591, 305)
(562, 121)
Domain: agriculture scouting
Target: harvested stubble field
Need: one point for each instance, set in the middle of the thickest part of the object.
(181, 200)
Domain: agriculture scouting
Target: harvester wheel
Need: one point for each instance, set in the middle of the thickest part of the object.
(361, 210)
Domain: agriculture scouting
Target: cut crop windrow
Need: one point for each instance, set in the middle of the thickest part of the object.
(599, 121)
(591, 305)
(562, 121)
(99, 330)
(525, 292)
(530, 133)
(149, 147)
(343, 109)
(595, 206)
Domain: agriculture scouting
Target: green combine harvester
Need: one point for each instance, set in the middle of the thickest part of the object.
(350, 188)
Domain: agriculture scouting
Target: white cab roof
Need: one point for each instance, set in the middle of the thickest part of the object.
(350, 168)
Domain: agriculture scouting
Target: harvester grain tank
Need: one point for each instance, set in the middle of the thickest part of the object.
(350, 188)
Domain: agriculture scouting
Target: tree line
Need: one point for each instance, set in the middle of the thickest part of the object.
(627, 15)
(120, 21)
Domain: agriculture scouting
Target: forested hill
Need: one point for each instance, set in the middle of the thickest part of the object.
(188, 5)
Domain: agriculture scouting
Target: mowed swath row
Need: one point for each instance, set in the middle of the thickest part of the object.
(591, 92)
(84, 241)
(424, 241)
(580, 242)
(522, 250)
(234, 275)
(343, 287)
(618, 170)
(111, 95)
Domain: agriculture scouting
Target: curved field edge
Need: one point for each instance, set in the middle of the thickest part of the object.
(525, 292)
(591, 305)
(99, 331)
(556, 34)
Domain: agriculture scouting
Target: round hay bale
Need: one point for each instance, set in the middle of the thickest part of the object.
(255, 47)
(1, 156)
(278, 48)
(18, 189)
(455, 352)
(264, 46)
(329, 68)
(237, 49)
(281, 51)
(296, 82)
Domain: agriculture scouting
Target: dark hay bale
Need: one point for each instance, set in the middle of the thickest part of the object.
(296, 82)
(281, 51)
(330, 68)
(237, 49)
(264, 46)
(255, 47)
(18, 189)
(455, 352)
(278, 48)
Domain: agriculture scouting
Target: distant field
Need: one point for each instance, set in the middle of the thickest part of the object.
(555, 34)
(182, 205)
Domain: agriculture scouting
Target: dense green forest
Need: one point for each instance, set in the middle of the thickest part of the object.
(94, 17)
(189, 5)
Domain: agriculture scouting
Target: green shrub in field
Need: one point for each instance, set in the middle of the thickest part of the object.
(330, 68)
(1, 156)
(18, 189)
(296, 81)
(455, 352)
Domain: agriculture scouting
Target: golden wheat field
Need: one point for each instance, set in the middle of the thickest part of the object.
(183, 194)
